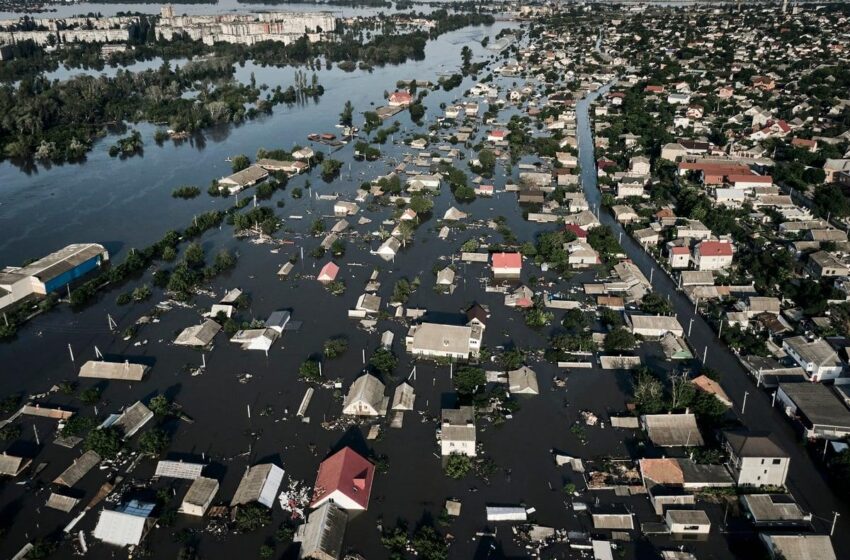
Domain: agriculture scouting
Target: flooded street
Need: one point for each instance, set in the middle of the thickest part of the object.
(125, 204)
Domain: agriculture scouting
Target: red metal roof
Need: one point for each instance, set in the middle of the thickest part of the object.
(507, 260)
(714, 249)
(576, 229)
(767, 179)
(346, 472)
(328, 272)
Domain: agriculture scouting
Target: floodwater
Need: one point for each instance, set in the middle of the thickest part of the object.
(127, 203)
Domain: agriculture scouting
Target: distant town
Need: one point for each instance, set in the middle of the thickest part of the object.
(347, 281)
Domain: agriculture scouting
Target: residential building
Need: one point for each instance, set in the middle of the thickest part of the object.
(321, 537)
(712, 255)
(816, 357)
(506, 265)
(437, 340)
(199, 497)
(366, 397)
(457, 431)
(819, 411)
(756, 459)
(260, 484)
(345, 478)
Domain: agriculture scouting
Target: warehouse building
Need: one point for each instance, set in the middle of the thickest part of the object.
(51, 273)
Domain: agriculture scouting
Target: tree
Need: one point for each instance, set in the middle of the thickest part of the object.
(457, 466)
(383, 362)
(335, 347)
(194, 255)
(618, 340)
(511, 359)
(154, 442)
(469, 379)
(575, 320)
(417, 111)
(345, 118)
(649, 394)
(655, 304)
(90, 396)
(106, 442)
(487, 161)
(251, 517)
(309, 370)
(429, 545)
(224, 260)
(421, 204)
(330, 168)
(160, 405)
(240, 162)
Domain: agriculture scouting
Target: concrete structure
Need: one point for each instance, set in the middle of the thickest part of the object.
(712, 255)
(817, 408)
(672, 430)
(51, 273)
(457, 431)
(436, 340)
(507, 265)
(756, 459)
(816, 357)
(199, 497)
(687, 522)
(654, 326)
(798, 547)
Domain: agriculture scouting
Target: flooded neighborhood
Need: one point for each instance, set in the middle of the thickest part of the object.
(393, 279)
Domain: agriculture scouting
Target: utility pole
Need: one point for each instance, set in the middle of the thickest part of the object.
(744, 406)
(690, 326)
(834, 521)
(71, 351)
(704, 355)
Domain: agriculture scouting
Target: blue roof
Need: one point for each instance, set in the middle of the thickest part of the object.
(137, 508)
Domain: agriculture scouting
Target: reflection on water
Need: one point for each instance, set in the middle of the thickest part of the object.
(106, 198)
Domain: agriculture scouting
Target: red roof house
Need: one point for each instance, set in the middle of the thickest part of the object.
(400, 99)
(713, 255)
(345, 478)
(507, 264)
(577, 230)
(328, 273)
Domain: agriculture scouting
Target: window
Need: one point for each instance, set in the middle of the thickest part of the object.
(777, 461)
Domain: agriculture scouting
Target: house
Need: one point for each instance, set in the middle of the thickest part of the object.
(400, 99)
(127, 525)
(623, 213)
(823, 265)
(485, 190)
(692, 229)
(798, 547)
(457, 431)
(403, 397)
(178, 469)
(497, 135)
(446, 277)
(198, 335)
(11, 465)
(389, 249)
(756, 459)
(345, 208)
(817, 408)
(678, 257)
(419, 183)
(130, 421)
(321, 537)
(293, 167)
(712, 255)
(816, 357)
(255, 339)
(328, 273)
(774, 510)
(523, 381)
(507, 265)
(260, 484)
(436, 340)
(687, 522)
(366, 397)
(78, 469)
(654, 326)
(673, 151)
(531, 196)
(199, 497)
(626, 188)
(708, 385)
(303, 153)
(612, 517)
(581, 254)
(249, 176)
(345, 478)
(639, 165)
(672, 430)
(122, 371)
(832, 167)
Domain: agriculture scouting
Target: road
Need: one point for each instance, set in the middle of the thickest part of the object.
(806, 481)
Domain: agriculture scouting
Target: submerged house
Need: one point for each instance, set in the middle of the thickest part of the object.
(366, 397)
(127, 525)
(259, 484)
(345, 478)
(322, 535)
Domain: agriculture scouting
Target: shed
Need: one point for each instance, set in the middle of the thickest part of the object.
(178, 469)
(506, 513)
(691, 522)
(61, 502)
(259, 484)
(199, 496)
